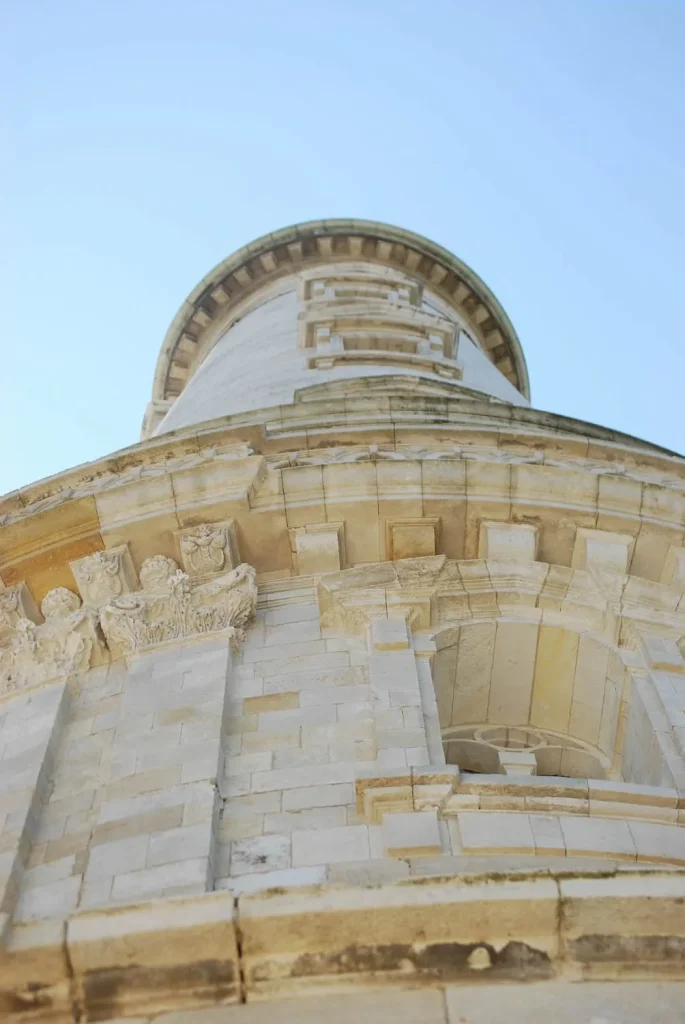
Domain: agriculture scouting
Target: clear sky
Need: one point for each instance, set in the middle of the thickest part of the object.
(542, 142)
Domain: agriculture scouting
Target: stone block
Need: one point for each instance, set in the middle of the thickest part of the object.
(275, 879)
(109, 859)
(630, 1002)
(602, 551)
(411, 835)
(168, 955)
(318, 548)
(308, 797)
(673, 572)
(412, 538)
(165, 879)
(597, 837)
(293, 941)
(658, 843)
(330, 845)
(265, 853)
(615, 926)
(507, 541)
(178, 844)
(495, 832)
(390, 635)
(56, 899)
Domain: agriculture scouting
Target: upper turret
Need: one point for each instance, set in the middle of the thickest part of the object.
(332, 301)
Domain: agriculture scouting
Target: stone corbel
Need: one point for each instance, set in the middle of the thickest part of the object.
(350, 601)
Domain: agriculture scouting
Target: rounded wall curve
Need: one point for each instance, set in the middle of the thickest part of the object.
(415, 303)
(340, 323)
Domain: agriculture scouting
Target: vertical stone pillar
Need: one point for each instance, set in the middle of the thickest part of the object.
(403, 697)
(156, 834)
(30, 725)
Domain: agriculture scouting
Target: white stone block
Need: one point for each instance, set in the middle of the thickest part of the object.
(411, 835)
(264, 853)
(109, 859)
(331, 845)
(318, 796)
(597, 837)
(58, 899)
(390, 635)
(275, 879)
(165, 879)
(178, 844)
(496, 832)
(318, 548)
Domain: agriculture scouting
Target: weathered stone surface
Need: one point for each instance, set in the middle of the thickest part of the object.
(433, 732)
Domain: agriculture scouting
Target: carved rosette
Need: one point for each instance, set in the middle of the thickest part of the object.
(172, 607)
(55, 649)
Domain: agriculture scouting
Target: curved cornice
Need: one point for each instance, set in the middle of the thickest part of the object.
(288, 250)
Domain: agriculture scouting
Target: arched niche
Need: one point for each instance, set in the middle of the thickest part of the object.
(547, 695)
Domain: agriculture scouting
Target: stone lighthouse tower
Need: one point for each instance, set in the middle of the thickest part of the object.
(356, 689)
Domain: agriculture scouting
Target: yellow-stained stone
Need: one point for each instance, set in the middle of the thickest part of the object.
(555, 668)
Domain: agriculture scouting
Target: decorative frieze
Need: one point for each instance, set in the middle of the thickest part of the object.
(104, 575)
(209, 548)
(171, 606)
(55, 649)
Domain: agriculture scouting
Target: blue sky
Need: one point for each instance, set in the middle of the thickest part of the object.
(542, 142)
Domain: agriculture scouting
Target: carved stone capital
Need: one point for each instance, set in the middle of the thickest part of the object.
(171, 606)
(104, 575)
(57, 648)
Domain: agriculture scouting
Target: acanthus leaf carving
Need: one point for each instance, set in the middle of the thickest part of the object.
(172, 607)
(57, 648)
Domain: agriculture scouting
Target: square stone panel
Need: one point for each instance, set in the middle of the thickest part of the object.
(411, 538)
